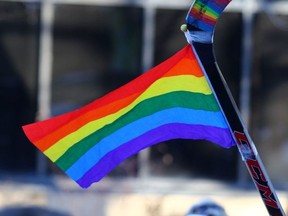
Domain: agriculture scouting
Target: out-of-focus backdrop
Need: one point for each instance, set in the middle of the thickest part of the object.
(58, 55)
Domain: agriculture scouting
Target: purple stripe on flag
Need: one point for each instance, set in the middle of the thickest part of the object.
(163, 133)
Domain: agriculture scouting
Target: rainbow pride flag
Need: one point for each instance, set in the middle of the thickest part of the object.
(172, 100)
(204, 13)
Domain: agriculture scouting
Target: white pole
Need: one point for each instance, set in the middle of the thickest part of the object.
(248, 11)
(45, 71)
(147, 63)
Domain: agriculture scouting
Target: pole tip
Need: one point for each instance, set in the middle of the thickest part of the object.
(183, 27)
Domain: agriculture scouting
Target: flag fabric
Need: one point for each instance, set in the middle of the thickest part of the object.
(204, 13)
(171, 101)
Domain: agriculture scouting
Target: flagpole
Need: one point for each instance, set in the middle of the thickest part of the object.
(244, 142)
(205, 56)
(199, 30)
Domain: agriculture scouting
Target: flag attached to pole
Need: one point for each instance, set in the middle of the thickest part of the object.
(171, 101)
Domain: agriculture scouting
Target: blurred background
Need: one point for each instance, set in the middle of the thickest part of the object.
(59, 55)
